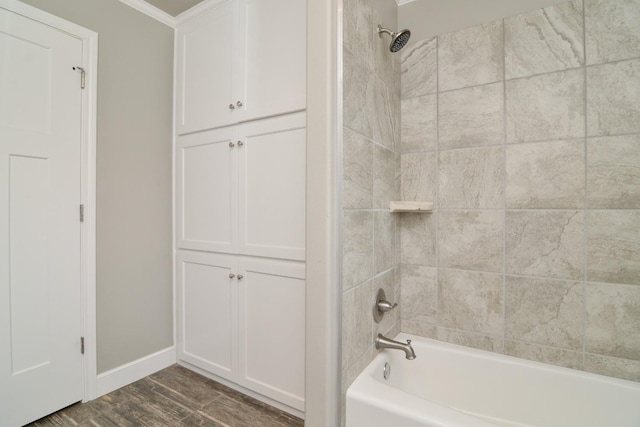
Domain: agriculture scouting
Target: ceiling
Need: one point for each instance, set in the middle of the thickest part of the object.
(173, 7)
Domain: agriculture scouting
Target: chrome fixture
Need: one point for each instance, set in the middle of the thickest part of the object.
(384, 342)
(386, 372)
(398, 40)
(381, 306)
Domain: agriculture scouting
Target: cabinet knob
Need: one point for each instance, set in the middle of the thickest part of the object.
(240, 143)
(239, 103)
(232, 107)
(231, 144)
(240, 276)
(231, 275)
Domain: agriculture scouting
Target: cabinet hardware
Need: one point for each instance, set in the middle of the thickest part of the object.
(231, 144)
(240, 143)
(239, 103)
(240, 276)
(231, 106)
(231, 275)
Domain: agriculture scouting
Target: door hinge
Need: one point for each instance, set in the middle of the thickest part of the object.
(81, 213)
(82, 76)
(81, 345)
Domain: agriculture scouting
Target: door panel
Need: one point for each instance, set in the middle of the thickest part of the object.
(40, 306)
(272, 301)
(208, 300)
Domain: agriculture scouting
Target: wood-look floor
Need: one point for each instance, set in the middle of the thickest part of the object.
(172, 397)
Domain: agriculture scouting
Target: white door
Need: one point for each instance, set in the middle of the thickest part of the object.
(40, 137)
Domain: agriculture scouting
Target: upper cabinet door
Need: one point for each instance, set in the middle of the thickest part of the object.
(273, 59)
(205, 70)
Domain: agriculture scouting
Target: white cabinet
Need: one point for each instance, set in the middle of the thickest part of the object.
(241, 190)
(242, 319)
(239, 61)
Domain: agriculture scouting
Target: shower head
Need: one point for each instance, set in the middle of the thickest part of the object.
(398, 40)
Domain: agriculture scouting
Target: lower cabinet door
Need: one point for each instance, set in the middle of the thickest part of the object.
(272, 327)
(207, 312)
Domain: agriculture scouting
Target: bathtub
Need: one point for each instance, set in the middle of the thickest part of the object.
(453, 386)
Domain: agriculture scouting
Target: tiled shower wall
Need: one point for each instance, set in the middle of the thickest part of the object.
(525, 132)
(371, 139)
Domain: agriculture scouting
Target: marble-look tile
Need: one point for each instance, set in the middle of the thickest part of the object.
(543, 354)
(356, 322)
(418, 238)
(386, 119)
(471, 117)
(544, 311)
(384, 177)
(358, 99)
(356, 29)
(546, 107)
(471, 57)
(418, 127)
(471, 178)
(613, 246)
(471, 301)
(419, 68)
(545, 243)
(613, 320)
(358, 247)
(471, 339)
(384, 243)
(384, 60)
(613, 172)
(419, 293)
(612, 367)
(471, 240)
(612, 30)
(543, 175)
(545, 40)
(385, 281)
(424, 330)
(357, 171)
(613, 91)
(418, 176)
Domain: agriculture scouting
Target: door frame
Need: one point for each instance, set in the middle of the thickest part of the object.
(89, 41)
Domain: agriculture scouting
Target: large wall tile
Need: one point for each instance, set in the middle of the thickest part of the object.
(613, 246)
(471, 178)
(612, 30)
(539, 353)
(471, 117)
(358, 86)
(471, 240)
(545, 243)
(546, 107)
(471, 301)
(613, 320)
(384, 240)
(544, 311)
(613, 91)
(545, 40)
(419, 176)
(471, 57)
(613, 172)
(385, 62)
(357, 171)
(356, 322)
(471, 339)
(357, 34)
(419, 294)
(418, 123)
(386, 119)
(419, 75)
(418, 237)
(358, 247)
(384, 177)
(425, 330)
(544, 175)
(612, 366)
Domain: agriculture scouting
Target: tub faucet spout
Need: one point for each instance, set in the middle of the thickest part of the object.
(384, 342)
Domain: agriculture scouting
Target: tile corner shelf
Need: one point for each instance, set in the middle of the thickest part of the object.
(411, 206)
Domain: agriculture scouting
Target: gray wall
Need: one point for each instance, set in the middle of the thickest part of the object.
(371, 138)
(134, 279)
(526, 135)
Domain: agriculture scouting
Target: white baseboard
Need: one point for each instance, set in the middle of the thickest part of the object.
(134, 371)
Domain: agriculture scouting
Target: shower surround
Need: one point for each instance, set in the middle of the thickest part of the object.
(525, 133)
